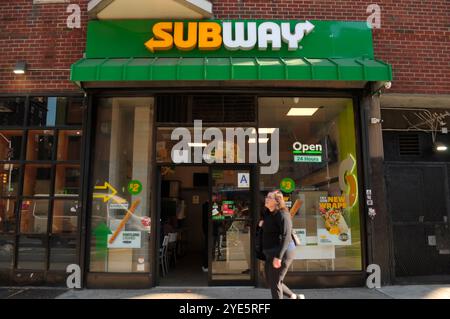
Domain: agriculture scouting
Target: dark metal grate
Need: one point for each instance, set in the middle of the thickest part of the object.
(171, 108)
(409, 145)
(208, 108)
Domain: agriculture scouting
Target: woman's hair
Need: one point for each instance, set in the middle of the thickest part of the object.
(278, 196)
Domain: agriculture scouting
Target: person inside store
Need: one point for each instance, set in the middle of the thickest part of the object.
(278, 245)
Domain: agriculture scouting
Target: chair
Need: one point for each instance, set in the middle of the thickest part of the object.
(172, 247)
(163, 261)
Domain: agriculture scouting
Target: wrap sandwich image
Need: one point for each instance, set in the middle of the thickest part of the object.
(334, 221)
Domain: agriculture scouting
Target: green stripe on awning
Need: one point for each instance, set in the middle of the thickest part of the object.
(223, 69)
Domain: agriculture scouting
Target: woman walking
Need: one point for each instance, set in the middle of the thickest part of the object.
(278, 245)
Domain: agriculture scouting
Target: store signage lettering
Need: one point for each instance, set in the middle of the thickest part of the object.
(307, 153)
(234, 36)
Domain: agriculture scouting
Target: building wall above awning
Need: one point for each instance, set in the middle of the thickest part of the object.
(149, 9)
(230, 69)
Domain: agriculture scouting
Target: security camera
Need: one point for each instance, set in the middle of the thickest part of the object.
(387, 85)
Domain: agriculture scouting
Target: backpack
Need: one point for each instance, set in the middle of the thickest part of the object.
(259, 244)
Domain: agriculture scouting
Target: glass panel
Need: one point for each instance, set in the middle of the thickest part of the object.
(31, 253)
(65, 216)
(63, 252)
(37, 180)
(231, 225)
(40, 145)
(6, 252)
(12, 111)
(69, 146)
(7, 215)
(34, 216)
(74, 113)
(318, 176)
(67, 179)
(122, 170)
(10, 145)
(51, 111)
(9, 179)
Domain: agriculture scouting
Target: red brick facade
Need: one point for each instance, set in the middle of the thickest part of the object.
(414, 37)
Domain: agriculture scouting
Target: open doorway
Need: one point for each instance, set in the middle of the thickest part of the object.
(184, 228)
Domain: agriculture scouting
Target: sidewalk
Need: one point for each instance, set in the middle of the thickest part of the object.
(388, 292)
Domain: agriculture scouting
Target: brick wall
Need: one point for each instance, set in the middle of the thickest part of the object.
(414, 37)
(38, 34)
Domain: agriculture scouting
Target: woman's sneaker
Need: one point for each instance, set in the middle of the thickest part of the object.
(299, 296)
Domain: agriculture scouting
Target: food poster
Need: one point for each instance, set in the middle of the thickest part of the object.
(333, 223)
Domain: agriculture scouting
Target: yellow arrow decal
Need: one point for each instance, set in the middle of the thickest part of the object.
(108, 196)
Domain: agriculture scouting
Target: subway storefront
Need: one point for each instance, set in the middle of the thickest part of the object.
(187, 125)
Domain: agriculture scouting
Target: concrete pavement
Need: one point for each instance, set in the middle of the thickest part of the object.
(388, 292)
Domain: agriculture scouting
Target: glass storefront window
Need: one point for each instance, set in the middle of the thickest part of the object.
(6, 252)
(37, 180)
(12, 111)
(32, 253)
(7, 215)
(40, 145)
(69, 146)
(318, 177)
(120, 213)
(63, 252)
(9, 179)
(65, 216)
(67, 180)
(34, 216)
(10, 145)
(52, 111)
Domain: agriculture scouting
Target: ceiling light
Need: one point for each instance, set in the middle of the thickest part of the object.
(441, 147)
(296, 100)
(260, 140)
(297, 111)
(20, 67)
(263, 130)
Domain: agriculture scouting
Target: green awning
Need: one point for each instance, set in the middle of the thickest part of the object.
(223, 69)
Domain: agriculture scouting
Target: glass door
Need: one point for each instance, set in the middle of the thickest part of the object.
(230, 224)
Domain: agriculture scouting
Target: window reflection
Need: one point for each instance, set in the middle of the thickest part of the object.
(65, 216)
(7, 215)
(69, 146)
(37, 180)
(6, 252)
(12, 111)
(63, 252)
(34, 216)
(51, 111)
(67, 179)
(10, 145)
(31, 253)
(40, 145)
(9, 179)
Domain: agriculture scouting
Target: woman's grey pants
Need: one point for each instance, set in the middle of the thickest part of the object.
(275, 277)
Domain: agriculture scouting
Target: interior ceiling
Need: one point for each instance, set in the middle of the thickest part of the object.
(148, 9)
(329, 108)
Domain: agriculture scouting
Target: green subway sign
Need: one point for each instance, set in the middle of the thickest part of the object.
(217, 38)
